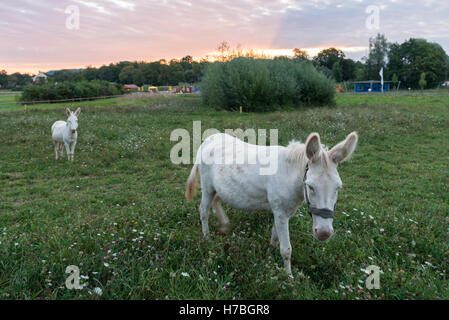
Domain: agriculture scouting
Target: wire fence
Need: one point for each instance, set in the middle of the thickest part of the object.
(59, 100)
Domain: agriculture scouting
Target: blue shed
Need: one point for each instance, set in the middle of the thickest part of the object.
(374, 85)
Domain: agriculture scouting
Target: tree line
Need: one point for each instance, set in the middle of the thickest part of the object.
(70, 90)
(417, 63)
(13, 81)
(157, 73)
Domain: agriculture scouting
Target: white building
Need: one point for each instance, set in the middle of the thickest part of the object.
(40, 77)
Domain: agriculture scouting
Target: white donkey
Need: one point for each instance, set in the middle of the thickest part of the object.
(304, 172)
(65, 132)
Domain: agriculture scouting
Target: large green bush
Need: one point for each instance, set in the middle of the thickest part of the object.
(69, 90)
(261, 84)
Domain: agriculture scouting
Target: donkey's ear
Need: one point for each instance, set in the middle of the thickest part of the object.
(344, 149)
(313, 146)
(77, 112)
(68, 112)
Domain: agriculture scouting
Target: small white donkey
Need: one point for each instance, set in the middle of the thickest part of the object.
(65, 132)
(304, 172)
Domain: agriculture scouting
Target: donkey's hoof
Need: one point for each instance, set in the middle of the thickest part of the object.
(224, 229)
(274, 243)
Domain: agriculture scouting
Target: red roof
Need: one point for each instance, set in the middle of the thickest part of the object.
(131, 86)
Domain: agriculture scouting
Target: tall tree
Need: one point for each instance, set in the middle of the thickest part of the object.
(126, 75)
(377, 57)
(415, 56)
(422, 81)
(3, 79)
(176, 73)
(223, 51)
(395, 80)
(337, 73)
(348, 67)
(300, 54)
(359, 72)
(138, 77)
(328, 57)
(150, 72)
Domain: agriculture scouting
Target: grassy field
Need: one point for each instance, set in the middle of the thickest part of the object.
(118, 211)
(8, 100)
(9, 103)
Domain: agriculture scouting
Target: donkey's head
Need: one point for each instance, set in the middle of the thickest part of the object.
(322, 181)
(72, 120)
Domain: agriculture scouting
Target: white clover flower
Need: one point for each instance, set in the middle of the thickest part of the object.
(185, 274)
(98, 291)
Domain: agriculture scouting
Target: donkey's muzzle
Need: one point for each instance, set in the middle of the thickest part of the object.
(323, 235)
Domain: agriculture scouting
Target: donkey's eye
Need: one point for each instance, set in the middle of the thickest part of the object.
(311, 189)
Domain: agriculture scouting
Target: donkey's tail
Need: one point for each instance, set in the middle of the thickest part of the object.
(191, 182)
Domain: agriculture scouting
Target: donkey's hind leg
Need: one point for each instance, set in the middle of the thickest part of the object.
(274, 237)
(221, 215)
(206, 199)
(61, 149)
(56, 149)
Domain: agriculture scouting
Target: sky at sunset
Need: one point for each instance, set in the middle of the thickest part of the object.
(34, 34)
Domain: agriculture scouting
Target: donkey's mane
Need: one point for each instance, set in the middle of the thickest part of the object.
(297, 154)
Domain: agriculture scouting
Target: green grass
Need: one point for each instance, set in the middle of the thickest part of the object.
(9, 103)
(8, 99)
(439, 98)
(122, 203)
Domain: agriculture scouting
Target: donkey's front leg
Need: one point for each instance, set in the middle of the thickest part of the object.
(72, 149)
(67, 149)
(281, 225)
(61, 149)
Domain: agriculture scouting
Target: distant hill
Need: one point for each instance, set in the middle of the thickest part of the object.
(52, 72)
